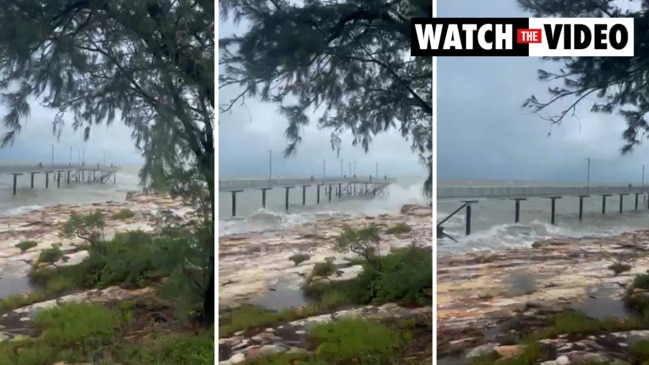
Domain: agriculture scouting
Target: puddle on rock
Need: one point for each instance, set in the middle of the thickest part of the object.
(601, 304)
(284, 294)
(12, 285)
(520, 283)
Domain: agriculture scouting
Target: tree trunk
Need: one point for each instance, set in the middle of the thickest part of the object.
(210, 294)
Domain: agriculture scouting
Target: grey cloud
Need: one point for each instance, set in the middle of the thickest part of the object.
(248, 131)
(33, 143)
(483, 132)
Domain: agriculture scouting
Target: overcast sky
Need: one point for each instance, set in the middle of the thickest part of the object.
(34, 143)
(484, 133)
(247, 133)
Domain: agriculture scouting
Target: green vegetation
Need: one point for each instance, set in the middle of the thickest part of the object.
(401, 276)
(50, 255)
(26, 245)
(124, 214)
(80, 332)
(126, 332)
(353, 341)
(399, 228)
(127, 57)
(299, 258)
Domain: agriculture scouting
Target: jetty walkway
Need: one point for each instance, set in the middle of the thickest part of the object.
(78, 173)
(469, 195)
(341, 186)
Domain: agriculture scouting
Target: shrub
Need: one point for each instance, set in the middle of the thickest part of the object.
(172, 349)
(404, 276)
(26, 245)
(299, 258)
(88, 227)
(50, 255)
(363, 242)
(399, 228)
(124, 214)
(75, 323)
(324, 269)
(355, 341)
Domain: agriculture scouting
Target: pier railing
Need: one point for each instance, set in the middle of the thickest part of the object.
(243, 184)
(507, 192)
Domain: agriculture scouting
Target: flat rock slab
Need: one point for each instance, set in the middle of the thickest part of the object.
(480, 290)
(249, 264)
(16, 324)
(293, 336)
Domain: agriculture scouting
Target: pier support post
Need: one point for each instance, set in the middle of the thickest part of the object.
(604, 202)
(622, 202)
(304, 194)
(32, 179)
(58, 179)
(581, 206)
(467, 216)
(263, 197)
(553, 206)
(15, 184)
(47, 179)
(234, 202)
(330, 188)
(636, 200)
(340, 191)
(68, 177)
(318, 193)
(517, 210)
(286, 200)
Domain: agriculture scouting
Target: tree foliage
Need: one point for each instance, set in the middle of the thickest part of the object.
(617, 84)
(148, 63)
(349, 58)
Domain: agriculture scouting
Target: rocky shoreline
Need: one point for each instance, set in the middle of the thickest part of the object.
(255, 268)
(42, 226)
(486, 300)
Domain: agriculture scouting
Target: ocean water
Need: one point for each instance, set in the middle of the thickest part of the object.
(493, 227)
(27, 199)
(252, 218)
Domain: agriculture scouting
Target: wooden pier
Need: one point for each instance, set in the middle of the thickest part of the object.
(70, 173)
(338, 186)
(472, 195)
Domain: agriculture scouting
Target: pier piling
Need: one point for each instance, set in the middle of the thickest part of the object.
(581, 205)
(15, 182)
(47, 179)
(286, 198)
(263, 197)
(330, 188)
(304, 194)
(467, 216)
(604, 196)
(32, 178)
(636, 200)
(553, 205)
(622, 202)
(318, 193)
(517, 211)
(234, 202)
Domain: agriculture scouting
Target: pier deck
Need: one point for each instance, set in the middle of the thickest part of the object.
(342, 186)
(470, 195)
(512, 192)
(79, 173)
